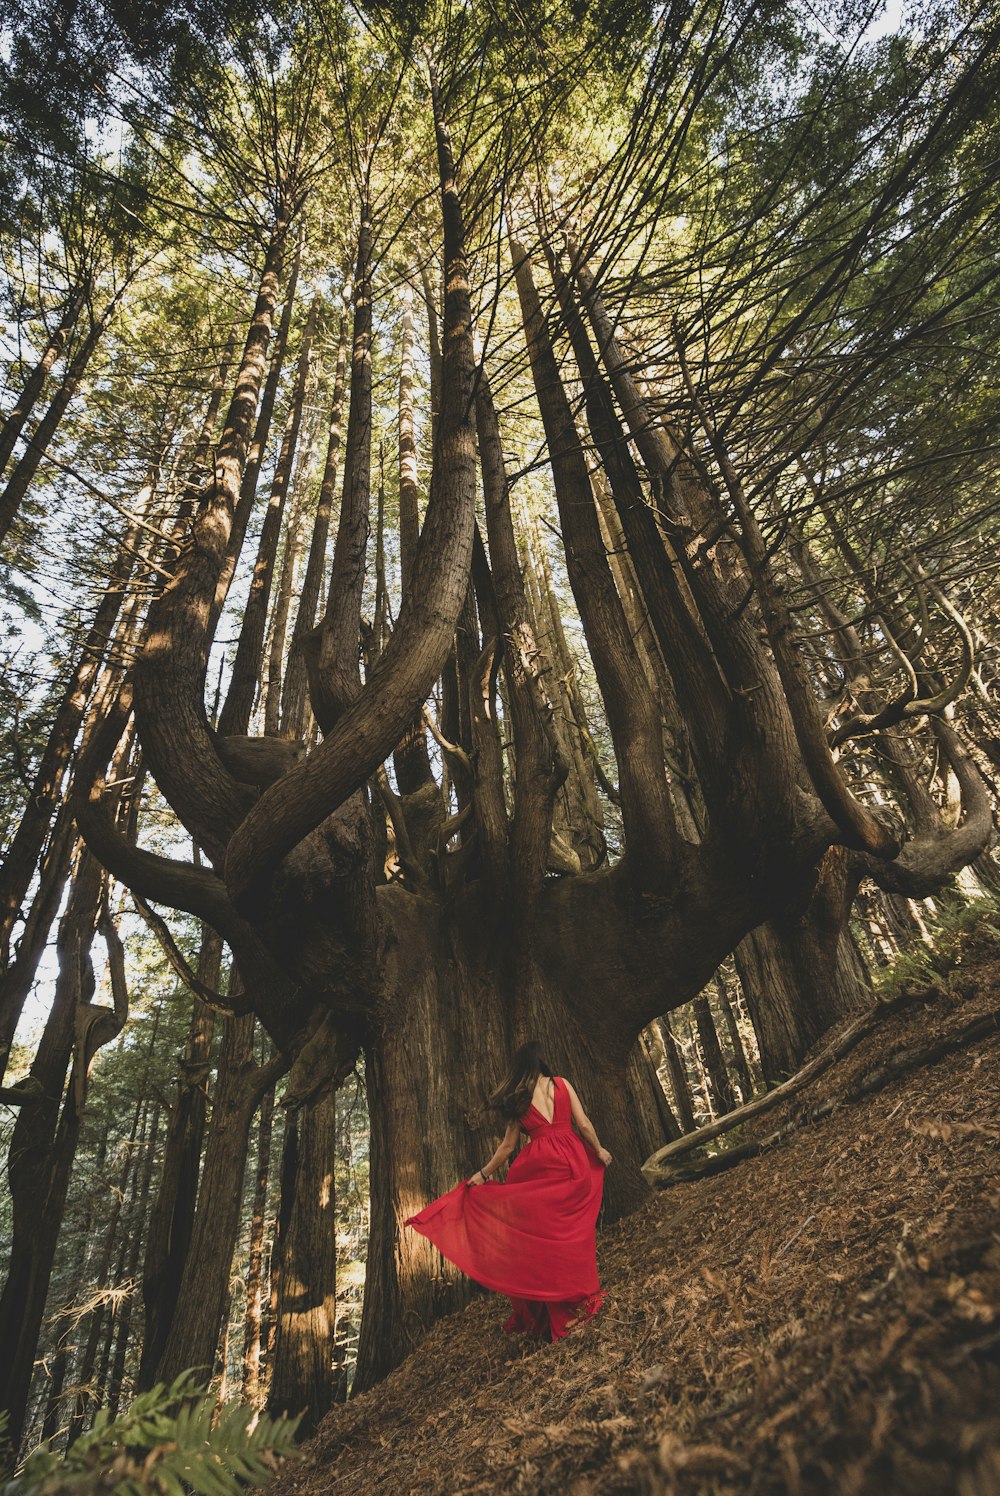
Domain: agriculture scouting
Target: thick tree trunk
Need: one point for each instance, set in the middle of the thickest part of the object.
(302, 1371)
(169, 675)
(798, 972)
(445, 1044)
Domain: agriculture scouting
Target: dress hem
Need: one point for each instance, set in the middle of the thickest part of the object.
(497, 1287)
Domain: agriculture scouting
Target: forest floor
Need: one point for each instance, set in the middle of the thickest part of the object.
(823, 1318)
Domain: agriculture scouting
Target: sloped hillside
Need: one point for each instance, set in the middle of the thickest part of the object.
(822, 1318)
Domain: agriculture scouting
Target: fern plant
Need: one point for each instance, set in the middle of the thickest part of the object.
(171, 1441)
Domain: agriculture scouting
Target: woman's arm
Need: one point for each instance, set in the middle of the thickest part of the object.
(584, 1126)
(500, 1157)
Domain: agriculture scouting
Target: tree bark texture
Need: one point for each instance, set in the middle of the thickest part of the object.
(302, 1374)
(193, 1337)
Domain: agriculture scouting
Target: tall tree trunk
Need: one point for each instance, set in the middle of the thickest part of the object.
(244, 505)
(45, 1136)
(740, 1064)
(235, 715)
(22, 855)
(168, 676)
(798, 973)
(293, 704)
(279, 618)
(193, 1336)
(333, 653)
(138, 1230)
(102, 1273)
(172, 1215)
(67, 1323)
(13, 424)
(679, 1083)
(38, 444)
(251, 1393)
(720, 1086)
(17, 980)
(302, 1372)
(411, 760)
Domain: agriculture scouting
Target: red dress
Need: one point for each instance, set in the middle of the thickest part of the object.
(533, 1237)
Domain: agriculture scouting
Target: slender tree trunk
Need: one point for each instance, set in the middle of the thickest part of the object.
(193, 1337)
(740, 1064)
(66, 1324)
(279, 618)
(333, 654)
(172, 1215)
(16, 982)
(720, 1086)
(244, 505)
(37, 1187)
(235, 715)
(138, 1230)
(102, 1278)
(104, 635)
(650, 830)
(293, 705)
(199, 467)
(411, 760)
(38, 444)
(13, 424)
(251, 1391)
(679, 1083)
(45, 1136)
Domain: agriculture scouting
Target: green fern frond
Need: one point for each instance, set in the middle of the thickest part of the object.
(172, 1441)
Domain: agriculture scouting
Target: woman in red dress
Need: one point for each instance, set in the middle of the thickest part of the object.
(533, 1237)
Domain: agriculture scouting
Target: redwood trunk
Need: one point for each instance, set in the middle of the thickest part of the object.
(171, 1219)
(193, 1337)
(302, 1370)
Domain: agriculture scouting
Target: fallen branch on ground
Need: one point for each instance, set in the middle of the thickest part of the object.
(910, 1057)
(836, 1051)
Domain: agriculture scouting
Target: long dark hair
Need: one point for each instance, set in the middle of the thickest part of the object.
(512, 1096)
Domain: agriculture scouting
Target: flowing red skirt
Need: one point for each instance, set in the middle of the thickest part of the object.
(532, 1237)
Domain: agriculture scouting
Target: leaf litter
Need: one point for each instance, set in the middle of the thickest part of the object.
(821, 1320)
